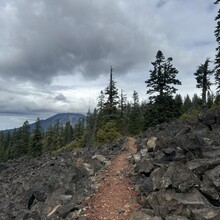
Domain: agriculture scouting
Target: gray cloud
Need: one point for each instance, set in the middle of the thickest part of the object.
(55, 55)
(47, 38)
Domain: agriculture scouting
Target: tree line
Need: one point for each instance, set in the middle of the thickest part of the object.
(115, 116)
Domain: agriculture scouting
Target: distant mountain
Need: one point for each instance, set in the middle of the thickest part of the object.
(62, 118)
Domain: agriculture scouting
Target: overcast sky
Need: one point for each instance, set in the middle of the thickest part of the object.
(55, 55)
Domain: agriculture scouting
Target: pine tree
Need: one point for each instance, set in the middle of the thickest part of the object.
(122, 122)
(20, 141)
(111, 91)
(202, 78)
(123, 100)
(79, 135)
(68, 133)
(49, 142)
(179, 104)
(36, 143)
(217, 57)
(26, 135)
(162, 81)
(187, 104)
(196, 101)
(91, 127)
(101, 101)
(162, 77)
(136, 120)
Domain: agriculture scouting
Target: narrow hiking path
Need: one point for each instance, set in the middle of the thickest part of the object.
(115, 198)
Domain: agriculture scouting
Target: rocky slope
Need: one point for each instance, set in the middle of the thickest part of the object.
(177, 172)
(52, 186)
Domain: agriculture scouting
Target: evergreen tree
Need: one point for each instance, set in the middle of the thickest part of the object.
(2, 146)
(54, 137)
(162, 77)
(59, 135)
(17, 145)
(36, 142)
(91, 126)
(136, 121)
(79, 134)
(122, 122)
(123, 100)
(68, 133)
(187, 104)
(217, 57)
(125, 120)
(21, 140)
(110, 106)
(196, 101)
(49, 139)
(179, 104)
(162, 81)
(101, 101)
(202, 78)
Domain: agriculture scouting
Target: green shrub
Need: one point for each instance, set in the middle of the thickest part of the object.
(191, 115)
(108, 133)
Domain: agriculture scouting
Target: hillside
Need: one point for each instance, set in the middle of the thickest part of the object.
(175, 172)
(62, 118)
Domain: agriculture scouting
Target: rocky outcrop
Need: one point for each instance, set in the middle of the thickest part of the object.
(52, 186)
(177, 173)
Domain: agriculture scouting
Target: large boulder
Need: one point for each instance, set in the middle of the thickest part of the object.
(144, 167)
(207, 117)
(214, 176)
(156, 177)
(200, 166)
(210, 191)
(169, 202)
(179, 177)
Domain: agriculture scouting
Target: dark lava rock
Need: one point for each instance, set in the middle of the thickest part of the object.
(51, 186)
(141, 215)
(179, 177)
(145, 167)
(185, 181)
(210, 191)
(169, 202)
(169, 152)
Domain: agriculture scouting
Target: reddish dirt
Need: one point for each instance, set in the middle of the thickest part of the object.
(115, 198)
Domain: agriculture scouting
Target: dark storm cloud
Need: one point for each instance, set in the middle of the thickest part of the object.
(46, 38)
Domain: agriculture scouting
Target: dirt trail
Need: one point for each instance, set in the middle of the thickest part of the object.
(115, 198)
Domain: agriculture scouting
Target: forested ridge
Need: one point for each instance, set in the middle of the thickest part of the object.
(115, 116)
